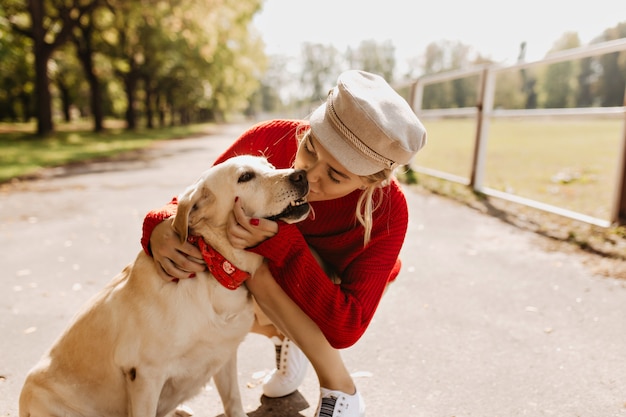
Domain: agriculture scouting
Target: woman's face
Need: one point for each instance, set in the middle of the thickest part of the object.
(328, 179)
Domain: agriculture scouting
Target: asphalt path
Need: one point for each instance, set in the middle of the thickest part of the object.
(482, 321)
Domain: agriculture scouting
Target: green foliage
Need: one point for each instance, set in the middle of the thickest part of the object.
(16, 72)
(596, 81)
(177, 61)
(406, 175)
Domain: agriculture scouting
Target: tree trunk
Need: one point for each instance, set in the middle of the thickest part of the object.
(160, 109)
(96, 103)
(149, 105)
(130, 82)
(95, 100)
(9, 111)
(66, 100)
(96, 91)
(27, 110)
(85, 55)
(42, 52)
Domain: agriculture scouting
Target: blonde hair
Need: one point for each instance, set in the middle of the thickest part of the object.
(365, 205)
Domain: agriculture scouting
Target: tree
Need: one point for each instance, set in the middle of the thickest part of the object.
(508, 91)
(374, 57)
(464, 90)
(183, 60)
(274, 81)
(321, 66)
(585, 79)
(49, 24)
(17, 78)
(447, 56)
(613, 81)
(85, 37)
(65, 72)
(559, 83)
(529, 81)
(238, 62)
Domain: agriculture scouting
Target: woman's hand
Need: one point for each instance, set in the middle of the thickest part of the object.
(246, 232)
(174, 260)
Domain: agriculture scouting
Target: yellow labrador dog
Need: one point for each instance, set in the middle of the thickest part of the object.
(143, 345)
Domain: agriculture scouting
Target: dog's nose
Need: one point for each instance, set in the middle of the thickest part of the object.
(298, 177)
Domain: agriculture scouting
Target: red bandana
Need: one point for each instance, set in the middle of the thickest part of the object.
(224, 272)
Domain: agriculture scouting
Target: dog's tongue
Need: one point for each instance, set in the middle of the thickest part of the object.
(224, 272)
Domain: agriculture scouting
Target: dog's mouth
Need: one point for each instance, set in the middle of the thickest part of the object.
(295, 211)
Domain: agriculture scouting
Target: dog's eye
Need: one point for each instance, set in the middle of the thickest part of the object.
(246, 176)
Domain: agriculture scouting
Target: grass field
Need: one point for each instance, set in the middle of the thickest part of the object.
(568, 163)
(23, 154)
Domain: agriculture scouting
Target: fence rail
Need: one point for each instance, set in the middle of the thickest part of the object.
(484, 111)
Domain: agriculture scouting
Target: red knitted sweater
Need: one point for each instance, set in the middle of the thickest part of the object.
(342, 311)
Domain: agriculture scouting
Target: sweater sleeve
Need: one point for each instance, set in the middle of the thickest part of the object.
(342, 311)
(152, 219)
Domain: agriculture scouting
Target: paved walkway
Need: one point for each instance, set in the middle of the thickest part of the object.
(481, 322)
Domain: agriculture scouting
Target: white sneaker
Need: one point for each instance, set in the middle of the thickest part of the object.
(291, 367)
(337, 403)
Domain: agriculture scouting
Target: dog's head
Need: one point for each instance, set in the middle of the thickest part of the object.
(264, 191)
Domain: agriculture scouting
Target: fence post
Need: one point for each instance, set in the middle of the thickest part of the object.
(485, 106)
(618, 214)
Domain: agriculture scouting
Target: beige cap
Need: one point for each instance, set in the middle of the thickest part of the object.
(366, 125)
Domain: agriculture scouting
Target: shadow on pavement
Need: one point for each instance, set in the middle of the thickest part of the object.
(289, 406)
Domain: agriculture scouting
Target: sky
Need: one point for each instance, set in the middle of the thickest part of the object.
(494, 28)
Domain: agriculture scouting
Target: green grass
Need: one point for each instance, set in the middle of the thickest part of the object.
(568, 163)
(23, 154)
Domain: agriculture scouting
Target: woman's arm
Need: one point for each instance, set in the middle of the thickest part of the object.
(174, 260)
(342, 312)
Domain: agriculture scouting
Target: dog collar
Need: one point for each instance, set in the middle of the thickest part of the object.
(224, 272)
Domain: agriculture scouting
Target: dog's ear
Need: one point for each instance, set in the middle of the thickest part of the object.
(181, 218)
(196, 195)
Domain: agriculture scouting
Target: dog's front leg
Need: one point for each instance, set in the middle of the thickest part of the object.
(143, 389)
(227, 385)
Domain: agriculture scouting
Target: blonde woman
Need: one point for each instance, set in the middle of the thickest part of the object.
(349, 148)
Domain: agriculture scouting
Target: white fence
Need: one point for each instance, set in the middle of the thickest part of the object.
(483, 111)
